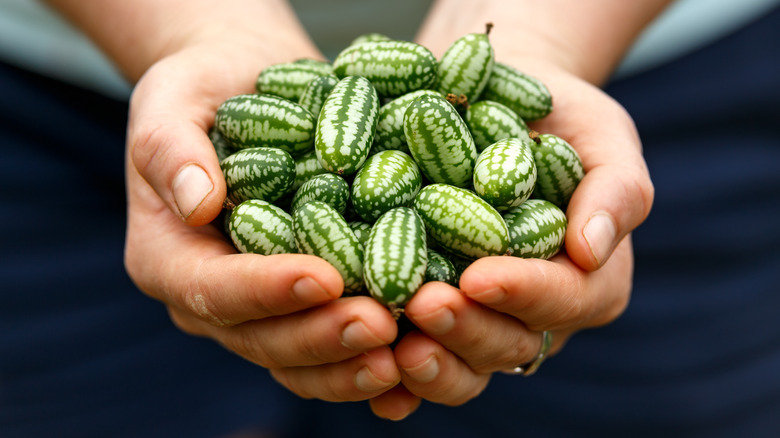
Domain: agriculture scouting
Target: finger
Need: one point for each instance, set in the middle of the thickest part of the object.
(395, 404)
(552, 294)
(616, 194)
(431, 372)
(228, 289)
(610, 202)
(486, 340)
(327, 334)
(176, 157)
(171, 112)
(360, 378)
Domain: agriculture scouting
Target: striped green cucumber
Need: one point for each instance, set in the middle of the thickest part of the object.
(388, 179)
(326, 187)
(221, 147)
(394, 67)
(461, 222)
(369, 37)
(524, 94)
(505, 173)
(395, 258)
(259, 227)
(439, 141)
(536, 229)
(306, 166)
(390, 122)
(465, 67)
(491, 121)
(346, 126)
(258, 173)
(559, 166)
(289, 79)
(254, 120)
(361, 230)
(440, 268)
(315, 93)
(321, 231)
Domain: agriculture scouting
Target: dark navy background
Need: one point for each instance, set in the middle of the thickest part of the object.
(697, 353)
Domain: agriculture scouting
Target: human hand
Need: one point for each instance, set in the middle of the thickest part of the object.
(494, 321)
(281, 312)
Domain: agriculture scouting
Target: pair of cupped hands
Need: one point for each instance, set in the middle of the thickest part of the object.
(286, 312)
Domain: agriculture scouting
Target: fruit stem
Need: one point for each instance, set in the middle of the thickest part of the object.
(461, 103)
(488, 27)
(395, 310)
(228, 204)
(535, 137)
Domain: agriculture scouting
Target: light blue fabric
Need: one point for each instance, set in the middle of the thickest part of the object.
(34, 37)
(687, 25)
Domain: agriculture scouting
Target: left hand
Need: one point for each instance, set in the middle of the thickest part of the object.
(494, 321)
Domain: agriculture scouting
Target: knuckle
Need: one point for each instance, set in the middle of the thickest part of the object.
(243, 340)
(146, 142)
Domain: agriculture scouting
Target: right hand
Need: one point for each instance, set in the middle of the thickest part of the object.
(282, 312)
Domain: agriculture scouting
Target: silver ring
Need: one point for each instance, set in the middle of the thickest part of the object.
(529, 368)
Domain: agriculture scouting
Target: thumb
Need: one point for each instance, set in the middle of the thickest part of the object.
(609, 203)
(170, 148)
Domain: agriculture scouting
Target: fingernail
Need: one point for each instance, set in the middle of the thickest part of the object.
(490, 296)
(356, 336)
(308, 290)
(600, 234)
(366, 381)
(426, 372)
(439, 322)
(190, 187)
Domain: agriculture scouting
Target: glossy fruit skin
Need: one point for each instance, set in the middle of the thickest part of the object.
(461, 222)
(346, 126)
(440, 141)
(396, 257)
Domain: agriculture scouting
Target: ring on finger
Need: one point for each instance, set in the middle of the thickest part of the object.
(529, 368)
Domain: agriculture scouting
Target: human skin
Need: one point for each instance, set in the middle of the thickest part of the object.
(286, 312)
(506, 301)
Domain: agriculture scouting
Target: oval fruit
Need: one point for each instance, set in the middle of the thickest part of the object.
(536, 229)
(259, 227)
(388, 179)
(461, 222)
(395, 258)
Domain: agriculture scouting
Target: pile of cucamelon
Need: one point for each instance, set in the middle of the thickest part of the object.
(394, 166)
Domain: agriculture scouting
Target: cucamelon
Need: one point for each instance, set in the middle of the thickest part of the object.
(306, 166)
(327, 187)
(440, 268)
(505, 173)
(259, 227)
(559, 168)
(321, 231)
(390, 122)
(346, 126)
(387, 180)
(524, 94)
(258, 173)
(465, 67)
(315, 93)
(395, 258)
(289, 79)
(491, 121)
(439, 141)
(255, 120)
(461, 222)
(394, 67)
(536, 229)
